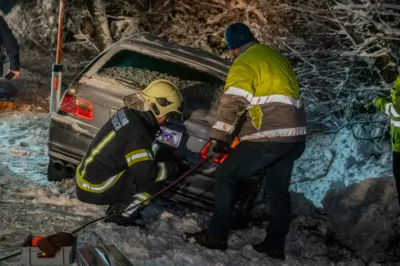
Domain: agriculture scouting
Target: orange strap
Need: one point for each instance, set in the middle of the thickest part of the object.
(35, 240)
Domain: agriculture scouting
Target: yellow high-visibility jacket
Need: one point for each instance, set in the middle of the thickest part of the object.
(262, 86)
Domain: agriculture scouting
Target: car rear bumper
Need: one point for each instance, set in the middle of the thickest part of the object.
(67, 141)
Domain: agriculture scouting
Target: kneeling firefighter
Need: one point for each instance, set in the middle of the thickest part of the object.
(120, 169)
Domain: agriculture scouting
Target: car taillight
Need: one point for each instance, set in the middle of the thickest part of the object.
(84, 109)
(77, 106)
(222, 157)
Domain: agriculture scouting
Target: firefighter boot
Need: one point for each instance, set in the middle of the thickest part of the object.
(205, 239)
(126, 213)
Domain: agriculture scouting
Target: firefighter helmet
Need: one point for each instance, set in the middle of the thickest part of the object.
(161, 97)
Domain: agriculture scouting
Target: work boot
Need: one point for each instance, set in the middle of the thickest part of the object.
(261, 248)
(205, 239)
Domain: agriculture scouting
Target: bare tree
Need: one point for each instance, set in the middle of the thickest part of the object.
(342, 50)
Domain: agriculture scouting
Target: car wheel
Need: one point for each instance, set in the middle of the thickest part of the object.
(54, 174)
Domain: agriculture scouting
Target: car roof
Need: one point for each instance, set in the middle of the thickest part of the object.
(194, 55)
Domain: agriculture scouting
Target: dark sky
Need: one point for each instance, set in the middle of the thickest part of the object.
(6, 5)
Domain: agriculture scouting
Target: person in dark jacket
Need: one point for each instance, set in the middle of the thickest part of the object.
(261, 87)
(10, 44)
(120, 169)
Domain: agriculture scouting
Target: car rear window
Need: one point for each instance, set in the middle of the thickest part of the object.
(201, 90)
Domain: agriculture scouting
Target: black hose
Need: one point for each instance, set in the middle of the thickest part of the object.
(10, 256)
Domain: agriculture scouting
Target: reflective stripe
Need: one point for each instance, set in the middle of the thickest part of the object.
(276, 99)
(96, 188)
(387, 108)
(142, 197)
(394, 112)
(138, 156)
(223, 126)
(131, 208)
(239, 92)
(97, 149)
(259, 100)
(155, 147)
(395, 123)
(390, 110)
(162, 173)
(287, 132)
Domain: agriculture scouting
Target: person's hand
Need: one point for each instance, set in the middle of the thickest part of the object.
(217, 147)
(12, 74)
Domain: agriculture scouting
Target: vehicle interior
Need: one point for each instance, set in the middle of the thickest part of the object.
(200, 89)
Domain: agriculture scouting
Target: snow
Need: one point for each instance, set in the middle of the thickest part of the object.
(350, 162)
(23, 144)
(29, 203)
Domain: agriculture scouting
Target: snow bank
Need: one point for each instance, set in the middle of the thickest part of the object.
(336, 161)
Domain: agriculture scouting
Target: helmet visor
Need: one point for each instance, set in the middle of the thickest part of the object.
(137, 102)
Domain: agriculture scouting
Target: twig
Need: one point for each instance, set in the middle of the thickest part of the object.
(168, 256)
(320, 176)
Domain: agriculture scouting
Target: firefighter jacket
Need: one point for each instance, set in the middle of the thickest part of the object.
(262, 86)
(392, 108)
(10, 44)
(125, 144)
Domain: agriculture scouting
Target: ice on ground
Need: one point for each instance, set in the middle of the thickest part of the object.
(23, 144)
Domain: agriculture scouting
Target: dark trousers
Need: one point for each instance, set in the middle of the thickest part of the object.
(396, 172)
(247, 159)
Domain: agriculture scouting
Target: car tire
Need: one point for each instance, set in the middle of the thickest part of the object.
(53, 174)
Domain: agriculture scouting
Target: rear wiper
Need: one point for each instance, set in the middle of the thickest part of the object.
(129, 83)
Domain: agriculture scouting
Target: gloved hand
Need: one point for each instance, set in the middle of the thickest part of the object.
(217, 147)
(12, 74)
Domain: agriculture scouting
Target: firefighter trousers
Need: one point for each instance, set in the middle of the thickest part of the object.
(127, 186)
(247, 159)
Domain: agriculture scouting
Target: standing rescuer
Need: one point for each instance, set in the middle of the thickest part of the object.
(392, 107)
(10, 44)
(119, 168)
(261, 104)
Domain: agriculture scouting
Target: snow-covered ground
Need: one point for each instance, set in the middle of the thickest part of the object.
(338, 160)
(29, 203)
